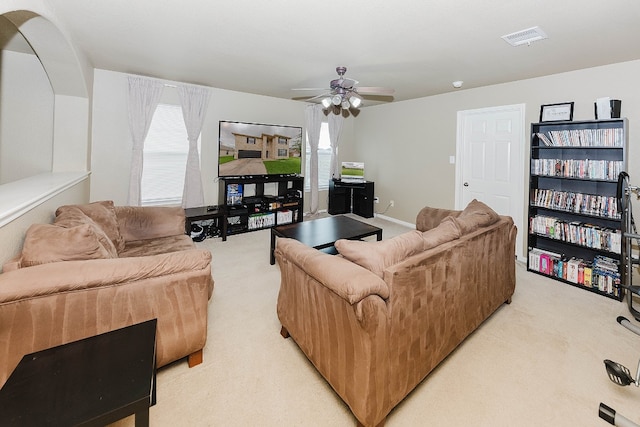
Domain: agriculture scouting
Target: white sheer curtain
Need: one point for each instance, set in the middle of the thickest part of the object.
(144, 96)
(313, 115)
(194, 100)
(335, 130)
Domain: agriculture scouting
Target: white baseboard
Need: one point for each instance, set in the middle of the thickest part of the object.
(397, 221)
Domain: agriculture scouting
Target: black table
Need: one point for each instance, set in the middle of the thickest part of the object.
(92, 382)
(323, 233)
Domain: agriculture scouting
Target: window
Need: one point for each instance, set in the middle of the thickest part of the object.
(165, 157)
(282, 140)
(282, 152)
(251, 140)
(324, 160)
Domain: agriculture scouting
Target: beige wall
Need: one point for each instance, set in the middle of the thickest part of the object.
(111, 151)
(406, 145)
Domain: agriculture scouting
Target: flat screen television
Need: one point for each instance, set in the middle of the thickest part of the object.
(352, 172)
(254, 149)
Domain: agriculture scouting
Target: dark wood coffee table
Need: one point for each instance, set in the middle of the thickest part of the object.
(322, 233)
(92, 382)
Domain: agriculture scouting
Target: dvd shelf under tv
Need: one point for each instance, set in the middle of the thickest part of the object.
(258, 202)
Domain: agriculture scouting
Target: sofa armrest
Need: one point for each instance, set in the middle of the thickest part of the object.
(53, 278)
(345, 278)
(429, 218)
(337, 313)
(149, 222)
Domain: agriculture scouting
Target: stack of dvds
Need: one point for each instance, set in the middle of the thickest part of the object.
(261, 221)
(579, 233)
(610, 137)
(587, 204)
(601, 274)
(285, 217)
(574, 168)
(606, 272)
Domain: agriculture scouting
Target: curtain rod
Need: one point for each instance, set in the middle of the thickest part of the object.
(174, 85)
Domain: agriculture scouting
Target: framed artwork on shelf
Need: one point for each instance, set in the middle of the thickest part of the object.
(562, 112)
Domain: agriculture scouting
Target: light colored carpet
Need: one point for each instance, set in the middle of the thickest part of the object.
(535, 362)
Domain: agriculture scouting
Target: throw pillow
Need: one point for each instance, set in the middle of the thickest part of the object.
(73, 217)
(104, 214)
(377, 256)
(446, 231)
(476, 215)
(45, 243)
(429, 217)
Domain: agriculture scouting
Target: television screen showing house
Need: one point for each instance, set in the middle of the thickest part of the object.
(258, 149)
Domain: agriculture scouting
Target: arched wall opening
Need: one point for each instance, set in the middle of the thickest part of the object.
(65, 126)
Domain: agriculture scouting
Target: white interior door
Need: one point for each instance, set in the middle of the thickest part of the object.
(490, 152)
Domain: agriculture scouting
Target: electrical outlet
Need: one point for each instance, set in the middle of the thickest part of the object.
(392, 203)
(376, 200)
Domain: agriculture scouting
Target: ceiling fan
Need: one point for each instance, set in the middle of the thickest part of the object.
(344, 92)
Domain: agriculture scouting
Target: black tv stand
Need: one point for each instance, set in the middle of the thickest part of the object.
(273, 200)
(351, 197)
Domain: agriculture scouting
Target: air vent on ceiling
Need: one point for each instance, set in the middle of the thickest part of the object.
(525, 36)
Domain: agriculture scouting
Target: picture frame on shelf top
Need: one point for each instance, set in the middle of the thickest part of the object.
(561, 112)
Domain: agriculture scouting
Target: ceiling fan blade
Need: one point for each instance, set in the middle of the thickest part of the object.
(374, 90)
(311, 98)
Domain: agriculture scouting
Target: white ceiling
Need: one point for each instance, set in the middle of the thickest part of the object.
(418, 47)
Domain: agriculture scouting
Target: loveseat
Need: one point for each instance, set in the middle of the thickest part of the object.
(378, 318)
(100, 267)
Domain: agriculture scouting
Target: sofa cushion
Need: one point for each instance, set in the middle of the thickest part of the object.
(377, 256)
(149, 222)
(102, 213)
(160, 245)
(73, 217)
(474, 216)
(446, 231)
(46, 243)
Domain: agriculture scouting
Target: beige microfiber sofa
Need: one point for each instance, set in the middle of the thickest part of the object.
(377, 319)
(101, 267)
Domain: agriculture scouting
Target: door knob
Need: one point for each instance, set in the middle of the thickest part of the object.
(466, 184)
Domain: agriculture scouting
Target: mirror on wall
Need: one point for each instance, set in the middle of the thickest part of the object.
(26, 108)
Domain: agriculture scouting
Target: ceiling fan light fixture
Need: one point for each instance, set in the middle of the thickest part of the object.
(355, 101)
(343, 93)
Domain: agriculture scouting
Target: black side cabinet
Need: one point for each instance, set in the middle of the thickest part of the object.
(346, 197)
